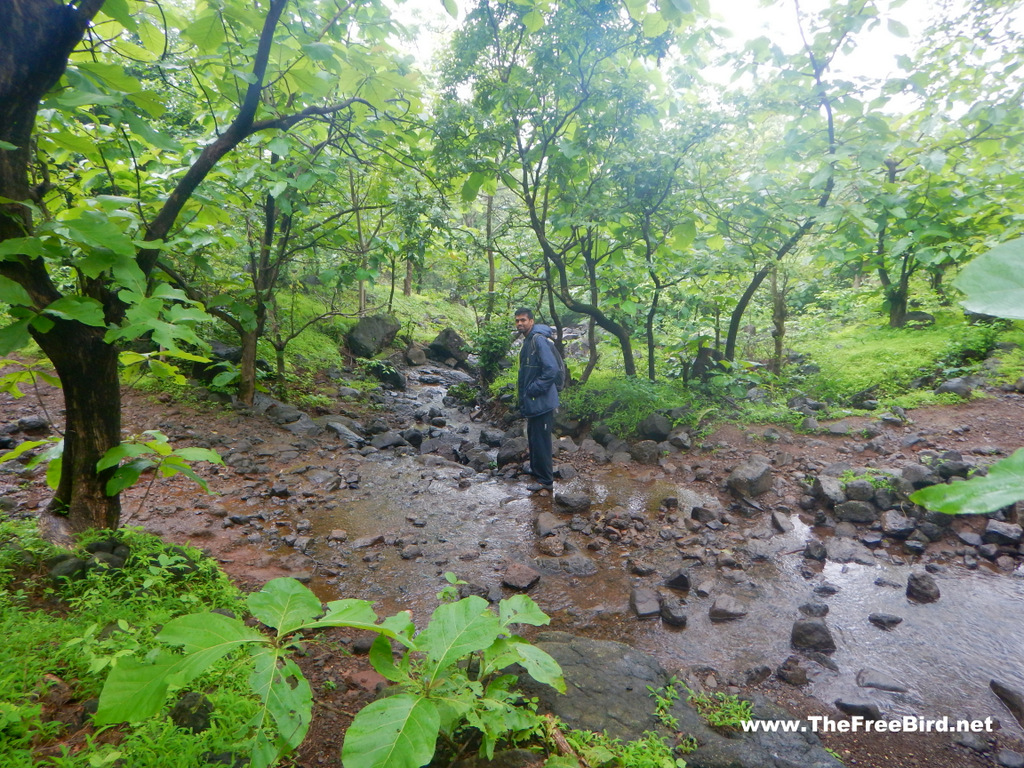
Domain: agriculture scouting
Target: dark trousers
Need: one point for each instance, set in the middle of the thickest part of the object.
(538, 434)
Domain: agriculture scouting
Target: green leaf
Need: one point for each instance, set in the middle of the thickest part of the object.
(201, 632)
(655, 25)
(127, 475)
(994, 281)
(383, 660)
(12, 293)
(453, 10)
(94, 230)
(533, 21)
(14, 336)
(207, 32)
(136, 690)
(85, 310)
(455, 630)
(284, 604)
(6, 145)
(1002, 486)
(521, 609)
(897, 28)
(22, 246)
(542, 666)
(393, 732)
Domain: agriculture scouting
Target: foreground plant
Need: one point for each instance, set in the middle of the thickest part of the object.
(438, 694)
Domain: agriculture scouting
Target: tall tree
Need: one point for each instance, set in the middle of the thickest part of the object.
(80, 270)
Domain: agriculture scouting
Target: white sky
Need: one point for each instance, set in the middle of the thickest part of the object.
(874, 57)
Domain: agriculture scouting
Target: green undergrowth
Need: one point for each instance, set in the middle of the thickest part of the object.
(69, 635)
(860, 356)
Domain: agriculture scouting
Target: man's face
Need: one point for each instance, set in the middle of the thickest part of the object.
(524, 324)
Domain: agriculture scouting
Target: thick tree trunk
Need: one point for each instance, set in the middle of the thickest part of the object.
(737, 314)
(88, 371)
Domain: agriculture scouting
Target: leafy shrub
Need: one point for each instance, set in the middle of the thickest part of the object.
(493, 343)
(463, 392)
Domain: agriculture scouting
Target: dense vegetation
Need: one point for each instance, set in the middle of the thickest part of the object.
(180, 172)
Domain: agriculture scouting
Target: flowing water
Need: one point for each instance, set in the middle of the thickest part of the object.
(945, 653)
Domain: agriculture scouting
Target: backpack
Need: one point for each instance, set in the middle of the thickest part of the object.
(563, 373)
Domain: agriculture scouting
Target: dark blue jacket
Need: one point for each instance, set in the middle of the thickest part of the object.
(538, 371)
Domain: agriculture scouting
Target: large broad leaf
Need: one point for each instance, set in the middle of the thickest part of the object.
(394, 732)
(208, 636)
(521, 609)
(285, 604)
(85, 310)
(12, 293)
(994, 282)
(286, 698)
(1003, 485)
(456, 630)
(14, 336)
(135, 690)
(541, 666)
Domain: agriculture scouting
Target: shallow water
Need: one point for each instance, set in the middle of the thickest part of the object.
(945, 653)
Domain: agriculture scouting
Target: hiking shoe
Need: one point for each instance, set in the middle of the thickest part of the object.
(534, 487)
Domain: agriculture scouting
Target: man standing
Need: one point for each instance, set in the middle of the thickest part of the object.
(538, 394)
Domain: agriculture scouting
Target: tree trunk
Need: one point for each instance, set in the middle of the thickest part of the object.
(88, 371)
(247, 366)
(778, 320)
(896, 295)
(489, 248)
(737, 314)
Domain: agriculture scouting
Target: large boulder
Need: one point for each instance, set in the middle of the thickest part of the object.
(656, 427)
(607, 690)
(448, 346)
(372, 334)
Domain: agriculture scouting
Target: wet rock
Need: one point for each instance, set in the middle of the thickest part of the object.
(884, 620)
(416, 355)
(640, 567)
(860, 490)
(192, 712)
(412, 436)
(572, 503)
(411, 552)
(390, 439)
(920, 476)
(513, 451)
(812, 635)
(565, 472)
(646, 603)
(793, 672)
(958, 386)
(815, 610)
(815, 550)
(368, 541)
(547, 524)
(448, 346)
(972, 741)
(673, 611)
(1009, 759)
(996, 532)
(829, 490)
(679, 581)
(896, 525)
(872, 678)
(680, 438)
(520, 576)
(1013, 698)
(751, 478)
(850, 551)
(552, 546)
(67, 567)
(726, 608)
(826, 588)
(372, 334)
(856, 512)
(922, 588)
(645, 452)
(656, 427)
(491, 437)
(756, 675)
(858, 707)
(970, 538)
(607, 691)
(280, 413)
(781, 522)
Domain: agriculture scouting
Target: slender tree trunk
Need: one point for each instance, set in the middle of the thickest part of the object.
(489, 250)
(247, 366)
(778, 320)
(592, 348)
(737, 314)
(407, 284)
(360, 243)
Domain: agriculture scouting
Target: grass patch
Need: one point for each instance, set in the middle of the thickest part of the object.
(862, 356)
(67, 636)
